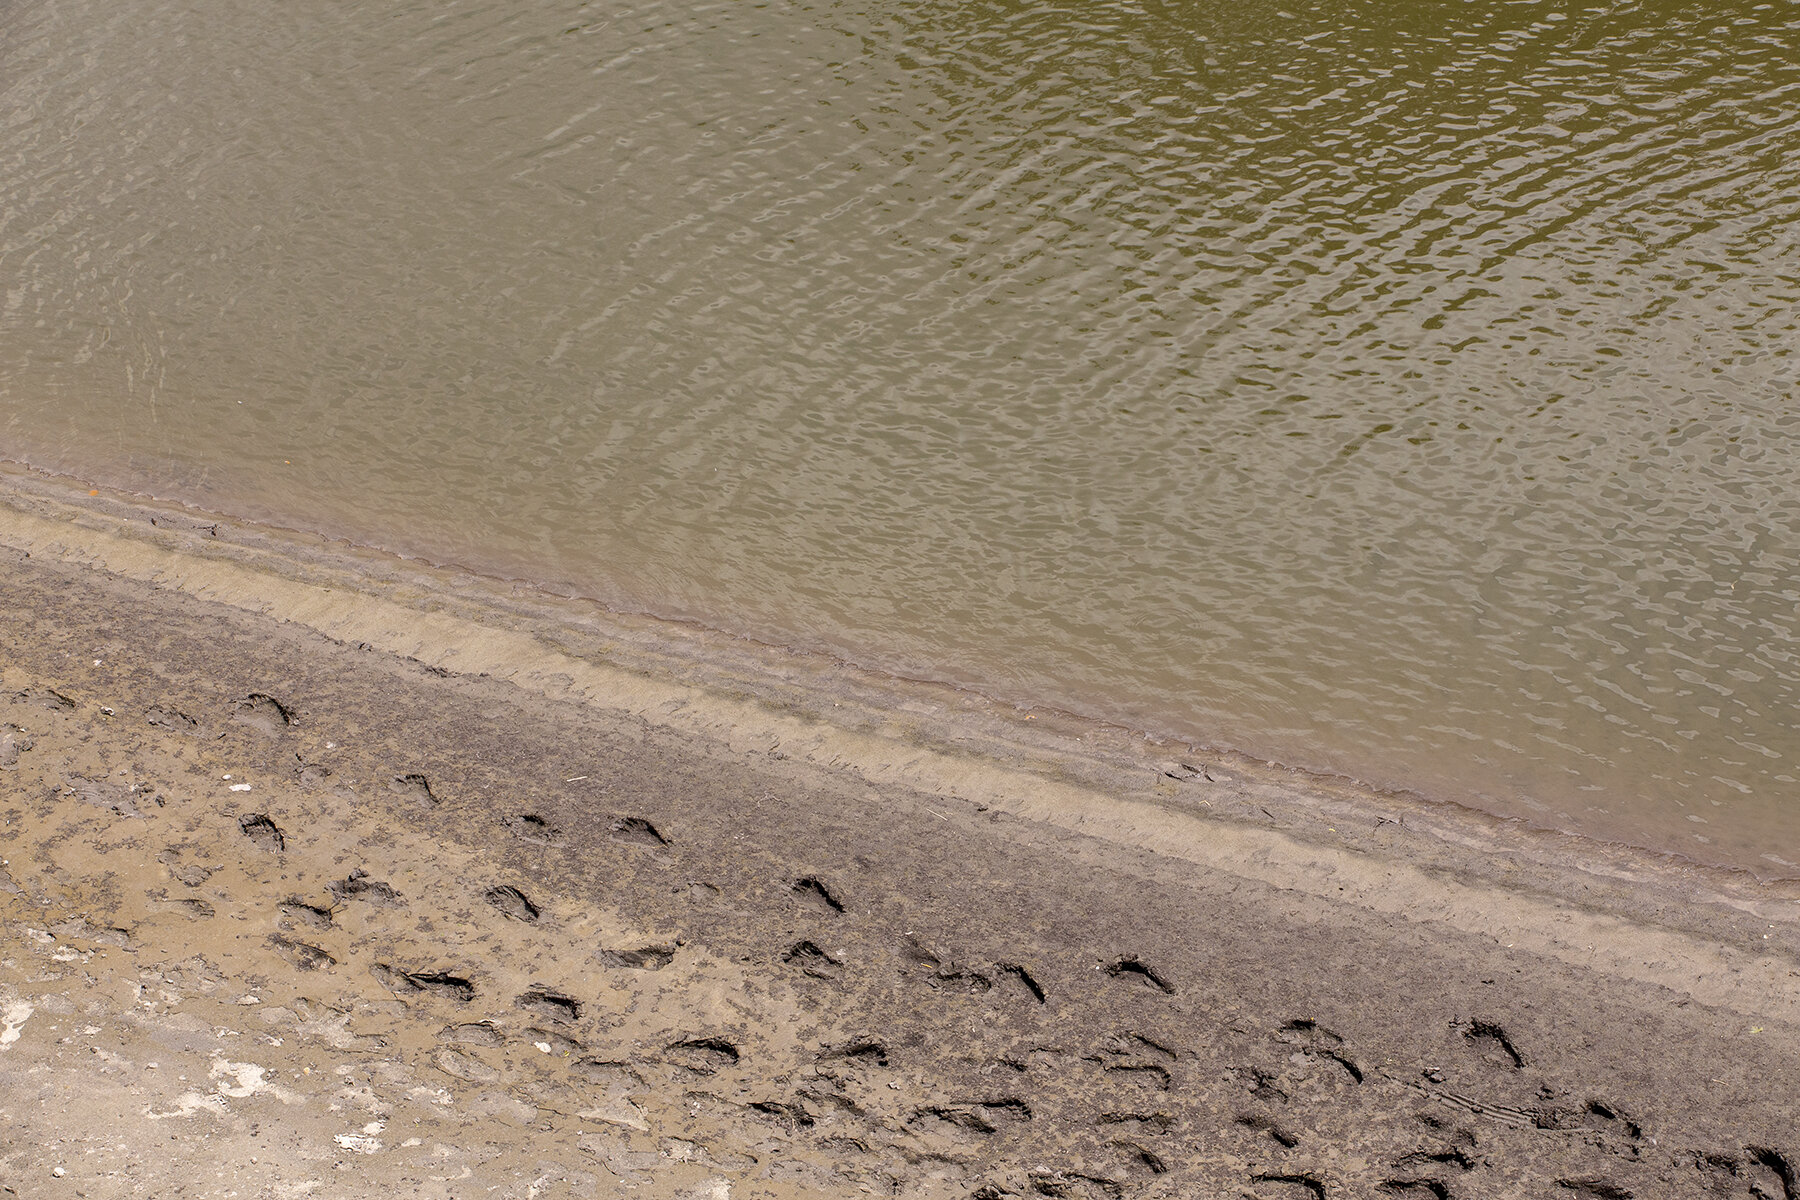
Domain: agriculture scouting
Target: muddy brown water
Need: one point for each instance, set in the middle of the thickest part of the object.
(1396, 390)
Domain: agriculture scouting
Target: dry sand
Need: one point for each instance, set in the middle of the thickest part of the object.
(330, 875)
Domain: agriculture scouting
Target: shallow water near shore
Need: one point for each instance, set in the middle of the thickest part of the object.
(1395, 393)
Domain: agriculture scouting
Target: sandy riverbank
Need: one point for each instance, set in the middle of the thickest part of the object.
(329, 875)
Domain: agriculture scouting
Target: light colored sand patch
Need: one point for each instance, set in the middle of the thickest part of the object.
(12, 1020)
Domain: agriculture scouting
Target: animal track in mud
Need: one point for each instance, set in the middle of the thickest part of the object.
(171, 719)
(1147, 1074)
(512, 903)
(294, 911)
(1263, 1124)
(1487, 1031)
(644, 958)
(1595, 1189)
(472, 1033)
(814, 892)
(414, 787)
(303, 955)
(1416, 1189)
(861, 1052)
(187, 906)
(1069, 1185)
(1262, 1085)
(1133, 966)
(1295, 1184)
(702, 1055)
(262, 713)
(813, 961)
(1015, 971)
(975, 1116)
(358, 886)
(638, 830)
(437, 983)
(1158, 1122)
(1762, 1173)
(952, 978)
(1316, 1041)
(529, 827)
(262, 832)
(1420, 1159)
(1144, 1157)
(791, 1117)
(310, 775)
(559, 1043)
(551, 1005)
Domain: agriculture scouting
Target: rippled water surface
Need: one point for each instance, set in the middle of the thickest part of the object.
(1403, 389)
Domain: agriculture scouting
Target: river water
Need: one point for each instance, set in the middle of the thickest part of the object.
(1399, 389)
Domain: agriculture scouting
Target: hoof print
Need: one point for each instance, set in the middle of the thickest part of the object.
(472, 1033)
(1595, 1189)
(1143, 1158)
(644, 958)
(557, 1043)
(1131, 965)
(1074, 1185)
(414, 787)
(860, 1053)
(638, 830)
(791, 1117)
(1016, 972)
(1417, 1189)
(815, 893)
(187, 906)
(702, 1055)
(952, 978)
(437, 983)
(358, 886)
(298, 912)
(529, 827)
(512, 903)
(1496, 1039)
(1310, 1186)
(813, 961)
(263, 713)
(262, 832)
(1262, 1124)
(172, 720)
(550, 1005)
(301, 954)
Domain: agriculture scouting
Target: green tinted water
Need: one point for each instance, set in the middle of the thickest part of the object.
(1396, 389)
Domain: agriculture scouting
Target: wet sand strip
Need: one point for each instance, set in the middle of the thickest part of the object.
(292, 912)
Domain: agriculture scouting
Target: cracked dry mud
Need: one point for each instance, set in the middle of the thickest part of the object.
(283, 917)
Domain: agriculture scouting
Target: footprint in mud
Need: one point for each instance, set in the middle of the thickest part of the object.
(1140, 1159)
(189, 874)
(1418, 1189)
(436, 983)
(811, 960)
(473, 1033)
(1262, 1123)
(512, 903)
(310, 775)
(174, 720)
(860, 1053)
(644, 958)
(187, 906)
(1132, 967)
(549, 1041)
(262, 832)
(977, 1116)
(638, 831)
(263, 713)
(303, 955)
(813, 892)
(1023, 978)
(358, 886)
(1314, 1041)
(294, 911)
(953, 979)
(1289, 1186)
(792, 1117)
(550, 1005)
(1594, 1189)
(1495, 1044)
(1759, 1173)
(414, 787)
(1071, 1185)
(703, 1055)
(529, 827)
